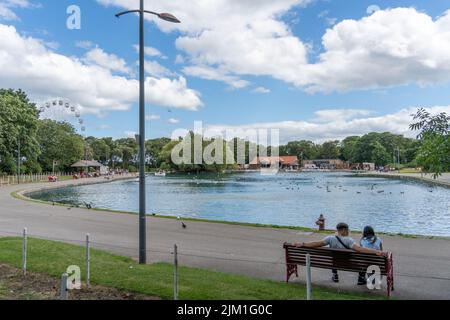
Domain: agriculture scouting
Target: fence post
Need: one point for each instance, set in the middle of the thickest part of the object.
(88, 261)
(308, 278)
(175, 272)
(64, 295)
(24, 251)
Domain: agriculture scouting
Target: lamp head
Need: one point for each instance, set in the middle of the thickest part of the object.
(168, 17)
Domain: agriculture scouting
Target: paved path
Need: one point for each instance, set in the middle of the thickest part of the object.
(422, 266)
(443, 180)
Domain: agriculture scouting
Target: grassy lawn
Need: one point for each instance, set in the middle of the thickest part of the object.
(52, 258)
(39, 286)
(409, 170)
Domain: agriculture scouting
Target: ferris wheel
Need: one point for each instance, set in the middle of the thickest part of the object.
(63, 111)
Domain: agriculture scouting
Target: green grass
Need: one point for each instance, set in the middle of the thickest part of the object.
(52, 258)
(410, 170)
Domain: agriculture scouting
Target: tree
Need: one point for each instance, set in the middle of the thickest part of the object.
(349, 149)
(195, 159)
(113, 151)
(59, 142)
(153, 149)
(303, 149)
(18, 125)
(329, 150)
(127, 153)
(434, 151)
(379, 154)
(99, 149)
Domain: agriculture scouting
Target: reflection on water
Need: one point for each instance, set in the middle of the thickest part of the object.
(291, 199)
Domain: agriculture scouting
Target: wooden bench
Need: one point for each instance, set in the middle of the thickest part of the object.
(340, 259)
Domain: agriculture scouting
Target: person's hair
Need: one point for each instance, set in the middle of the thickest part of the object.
(368, 232)
(342, 226)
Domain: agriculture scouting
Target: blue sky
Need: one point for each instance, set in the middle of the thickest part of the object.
(261, 66)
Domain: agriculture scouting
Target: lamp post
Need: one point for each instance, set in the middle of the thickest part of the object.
(142, 214)
(18, 160)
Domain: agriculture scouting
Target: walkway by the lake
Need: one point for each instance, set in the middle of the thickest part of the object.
(422, 266)
(443, 180)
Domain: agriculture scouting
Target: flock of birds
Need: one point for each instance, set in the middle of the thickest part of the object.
(373, 187)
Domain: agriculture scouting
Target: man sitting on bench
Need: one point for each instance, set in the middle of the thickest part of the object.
(340, 241)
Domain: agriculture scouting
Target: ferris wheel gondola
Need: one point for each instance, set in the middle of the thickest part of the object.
(62, 110)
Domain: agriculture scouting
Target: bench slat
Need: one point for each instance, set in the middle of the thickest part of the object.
(333, 252)
(346, 266)
(341, 259)
(347, 255)
(336, 259)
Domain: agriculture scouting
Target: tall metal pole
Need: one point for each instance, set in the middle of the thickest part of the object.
(142, 219)
(18, 162)
(308, 278)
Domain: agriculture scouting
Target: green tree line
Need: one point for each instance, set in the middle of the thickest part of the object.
(380, 148)
(43, 143)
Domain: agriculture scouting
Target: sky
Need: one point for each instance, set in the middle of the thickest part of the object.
(314, 69)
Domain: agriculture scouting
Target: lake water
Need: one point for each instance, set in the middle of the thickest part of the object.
(288, 199)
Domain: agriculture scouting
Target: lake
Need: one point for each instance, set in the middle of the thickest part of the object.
(287, 199)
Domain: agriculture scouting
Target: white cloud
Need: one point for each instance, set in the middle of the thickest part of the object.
(329, 20)
(85, 44)
(208, 73)
(173, 121)
(338, 115)
(234, 37)
(389, 48)
(238, 38)
(372, 8)
(52, 45)
(319, 130)
(152, 117)
(151, 52)
(261, 90)
(155, 69)
(130, 134)
(6, 13)
(108, 61)
(7, 6)
(27, 63)
(180, 59)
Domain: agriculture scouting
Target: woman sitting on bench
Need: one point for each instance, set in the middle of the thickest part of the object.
(340, 241)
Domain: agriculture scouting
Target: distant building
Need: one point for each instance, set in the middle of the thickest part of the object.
(284, 162)
(366, 166)
(87, 164)
(328, 164)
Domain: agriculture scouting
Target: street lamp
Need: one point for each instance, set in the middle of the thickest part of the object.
(142, 214)
(18, 159)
